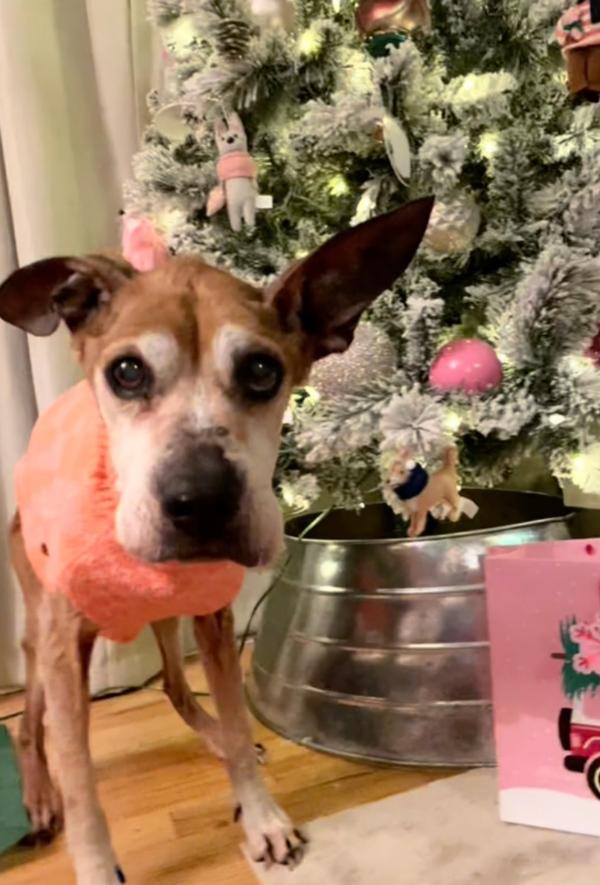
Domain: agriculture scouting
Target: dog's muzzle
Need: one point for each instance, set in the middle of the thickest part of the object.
(200, 496)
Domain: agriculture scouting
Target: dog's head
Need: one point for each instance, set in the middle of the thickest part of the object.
(230, 135)
(192, 370)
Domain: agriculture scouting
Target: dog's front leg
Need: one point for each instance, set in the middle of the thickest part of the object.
(271, 834)
(178, 690)
(67, 703)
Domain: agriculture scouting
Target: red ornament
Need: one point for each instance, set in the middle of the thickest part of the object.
(593, 351)
(468, 365)
(374, 16)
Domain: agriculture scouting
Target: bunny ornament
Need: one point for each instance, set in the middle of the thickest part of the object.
(236, 171)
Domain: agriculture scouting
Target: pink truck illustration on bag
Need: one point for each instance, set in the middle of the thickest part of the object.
(579, 733)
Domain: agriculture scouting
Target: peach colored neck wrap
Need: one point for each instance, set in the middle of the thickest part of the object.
(67, 502)
(237, 164)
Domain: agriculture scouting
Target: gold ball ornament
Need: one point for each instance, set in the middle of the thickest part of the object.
(375, 16)
(371, 355)
(453, 225)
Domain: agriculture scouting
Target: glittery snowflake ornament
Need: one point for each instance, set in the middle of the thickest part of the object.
(415, 422)
(371, 355)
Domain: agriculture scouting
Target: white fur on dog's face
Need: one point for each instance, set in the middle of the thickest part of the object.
(191, 405)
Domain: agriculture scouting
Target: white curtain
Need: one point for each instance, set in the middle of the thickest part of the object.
(73, 81)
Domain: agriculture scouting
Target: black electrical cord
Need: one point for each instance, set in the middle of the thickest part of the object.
(263, 598)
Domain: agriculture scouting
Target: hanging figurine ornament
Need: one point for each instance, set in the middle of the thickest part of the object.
(386, 23)
(578, 34)
(412, 492)
(236, 171)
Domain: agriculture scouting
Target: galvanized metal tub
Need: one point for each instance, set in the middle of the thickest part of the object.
(376, 647)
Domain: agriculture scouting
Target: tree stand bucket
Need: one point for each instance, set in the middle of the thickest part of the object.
(376, 647)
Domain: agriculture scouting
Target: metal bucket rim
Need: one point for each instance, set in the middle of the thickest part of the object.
(431, 539)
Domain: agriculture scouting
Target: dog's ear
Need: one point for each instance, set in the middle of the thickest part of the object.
(234, 123)
(37, 297)
(220, 127)
(324, 294)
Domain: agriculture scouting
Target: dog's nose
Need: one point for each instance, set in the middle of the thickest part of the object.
(201, 498)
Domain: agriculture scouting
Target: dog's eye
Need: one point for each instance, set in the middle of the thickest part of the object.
(259, 375)
(129, 377)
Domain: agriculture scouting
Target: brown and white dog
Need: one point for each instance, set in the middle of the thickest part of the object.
(223, 358)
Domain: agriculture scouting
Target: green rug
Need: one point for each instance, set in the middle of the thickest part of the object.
(14, 822)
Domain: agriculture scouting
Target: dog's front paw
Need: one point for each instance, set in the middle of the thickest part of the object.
(99, 871)
(272, 837)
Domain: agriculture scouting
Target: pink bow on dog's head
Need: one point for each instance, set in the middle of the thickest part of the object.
(141, 244)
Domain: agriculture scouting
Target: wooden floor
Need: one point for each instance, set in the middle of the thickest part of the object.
(168, 800)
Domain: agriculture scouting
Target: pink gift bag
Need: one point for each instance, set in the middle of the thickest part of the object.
(544, 623)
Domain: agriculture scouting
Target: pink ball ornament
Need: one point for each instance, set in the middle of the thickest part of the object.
(467, 365)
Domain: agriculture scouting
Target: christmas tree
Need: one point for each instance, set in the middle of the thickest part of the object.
(351, 109)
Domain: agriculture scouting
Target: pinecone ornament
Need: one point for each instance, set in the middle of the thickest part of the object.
(233, 36)
(453, 225)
